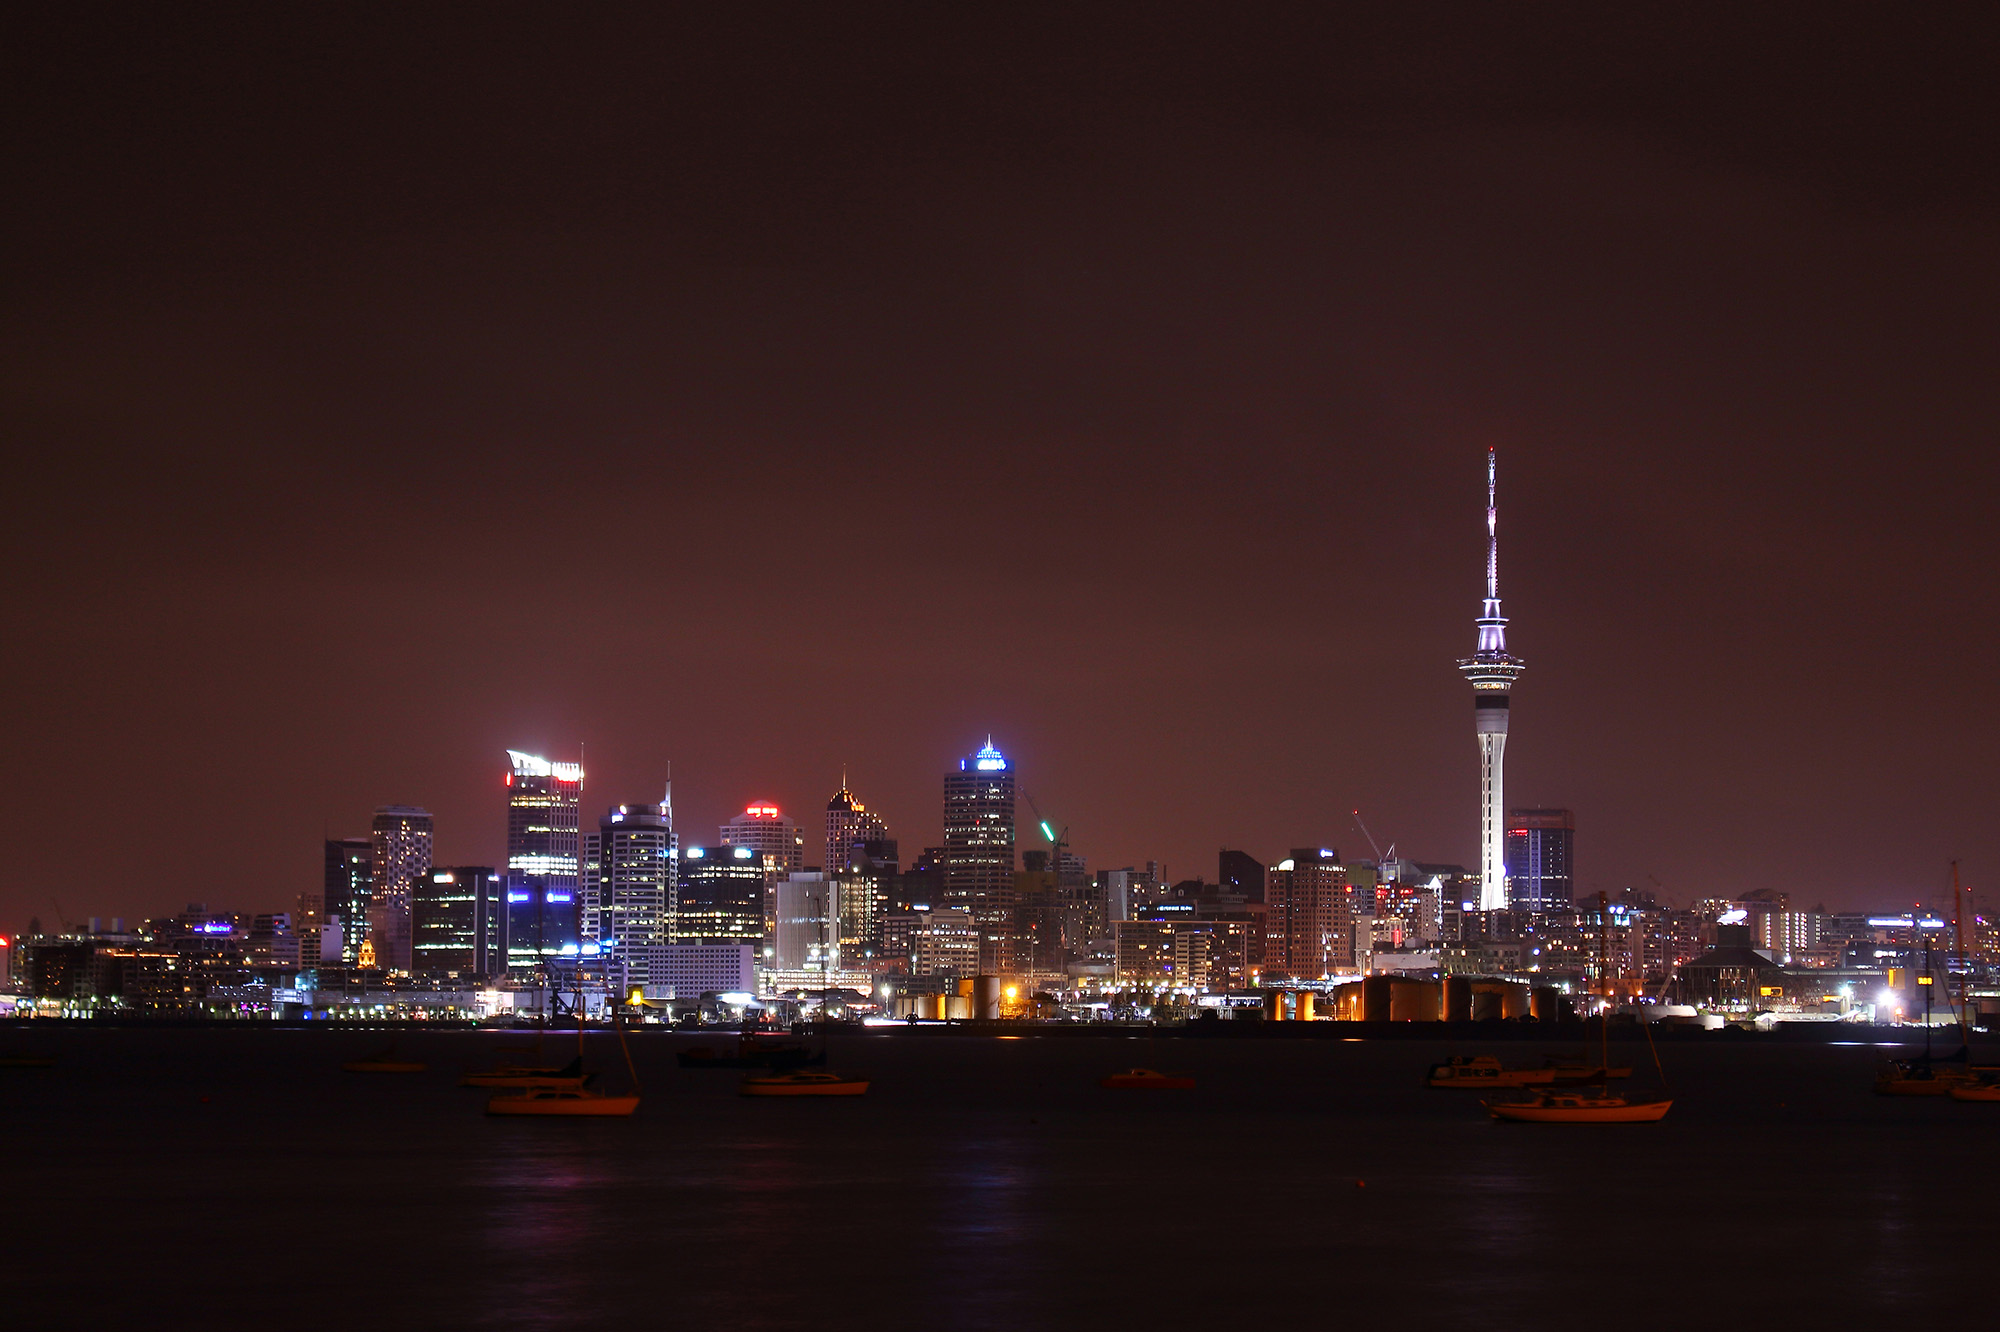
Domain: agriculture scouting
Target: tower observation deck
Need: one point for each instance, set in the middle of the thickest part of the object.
(1492, 671)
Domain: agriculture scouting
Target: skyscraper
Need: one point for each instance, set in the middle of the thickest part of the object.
(767, 831)
(1240, 873)
(775, 844)
(1492, 673)
(848, 821)
(1540, 870)
(630, 878)
(1308, 931)
(542, 808)
(458, 923)
(400, 842)
(979, 850)
(721, 897)
(350, 874)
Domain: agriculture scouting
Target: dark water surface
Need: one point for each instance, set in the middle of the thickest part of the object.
(237, 1178)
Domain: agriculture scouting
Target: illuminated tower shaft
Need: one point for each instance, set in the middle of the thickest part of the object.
(1492, 673)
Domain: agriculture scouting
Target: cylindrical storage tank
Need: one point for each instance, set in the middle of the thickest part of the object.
(1545, 1002)
(1274, 1006)
(986, 998)
(1376, 998)
(1413, 1000)
(1514, 1000)
(1457, 999)
(1486, 1003)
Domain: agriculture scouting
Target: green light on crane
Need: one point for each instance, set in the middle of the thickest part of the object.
(1047, 831)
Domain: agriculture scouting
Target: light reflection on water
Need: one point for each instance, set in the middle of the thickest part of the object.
(984, 1184)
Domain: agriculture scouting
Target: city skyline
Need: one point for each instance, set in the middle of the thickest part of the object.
(1127, 415)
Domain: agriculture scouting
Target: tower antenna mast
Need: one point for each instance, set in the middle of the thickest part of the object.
(1492, 670)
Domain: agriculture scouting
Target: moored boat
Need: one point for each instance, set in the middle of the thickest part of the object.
(1568, 1107)
(1485, 1071)
(801, 1082)
(1575, 1073)
(1917, 1077)
(522, 1077)
(1146, 1079)
(27, 1061)
(383, 1062)
(1979, 1091)
(561, 1101)
(752, 1054)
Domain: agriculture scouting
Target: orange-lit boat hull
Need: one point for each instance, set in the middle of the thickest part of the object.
(1636, 1112)
(592, 1106)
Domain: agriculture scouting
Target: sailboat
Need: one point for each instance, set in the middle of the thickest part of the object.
(527, 1076)
(794, 1080)
(548, 1097)
(1568, 1105)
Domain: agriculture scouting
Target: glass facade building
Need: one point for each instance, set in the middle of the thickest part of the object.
(401, 845)
(1540, 866)
(543, 922)
(630, 881)
(350, 880)
(722, 897)
(978, 859)
(459, 923)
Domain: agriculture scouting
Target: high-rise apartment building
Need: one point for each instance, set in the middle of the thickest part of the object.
(350, 887)
(721, 897)
(1540, 847)
(979, 850)
(458, 923)
(400, 845)
(848, 823)
(1308, 925)
(543, 801)
(630, 878)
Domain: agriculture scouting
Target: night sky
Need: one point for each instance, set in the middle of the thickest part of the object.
(767, 390)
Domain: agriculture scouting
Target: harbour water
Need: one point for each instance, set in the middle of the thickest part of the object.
(236, 1177)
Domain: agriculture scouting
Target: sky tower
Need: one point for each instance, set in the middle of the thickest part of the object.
(1492, 672)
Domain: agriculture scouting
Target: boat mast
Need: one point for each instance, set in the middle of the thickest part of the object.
(1958, 925)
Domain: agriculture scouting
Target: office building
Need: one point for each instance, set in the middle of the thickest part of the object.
(768, 833)
(865, 893)
(349, 888)
(1308, 932)
(459, 924)
(1492, 672)
(806, 938)
(692, 970)
(543, 803)
(945, 942)
(400, 844)
(1239, 873)
(630, 878)
(1540, 844)
(848, 824)
(721, 897)
(978, 860)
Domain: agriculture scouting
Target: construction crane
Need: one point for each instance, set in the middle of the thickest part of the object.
(1380, 859)
(1057, 840)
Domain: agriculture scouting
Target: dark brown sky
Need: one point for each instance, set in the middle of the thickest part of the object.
(769, 389)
